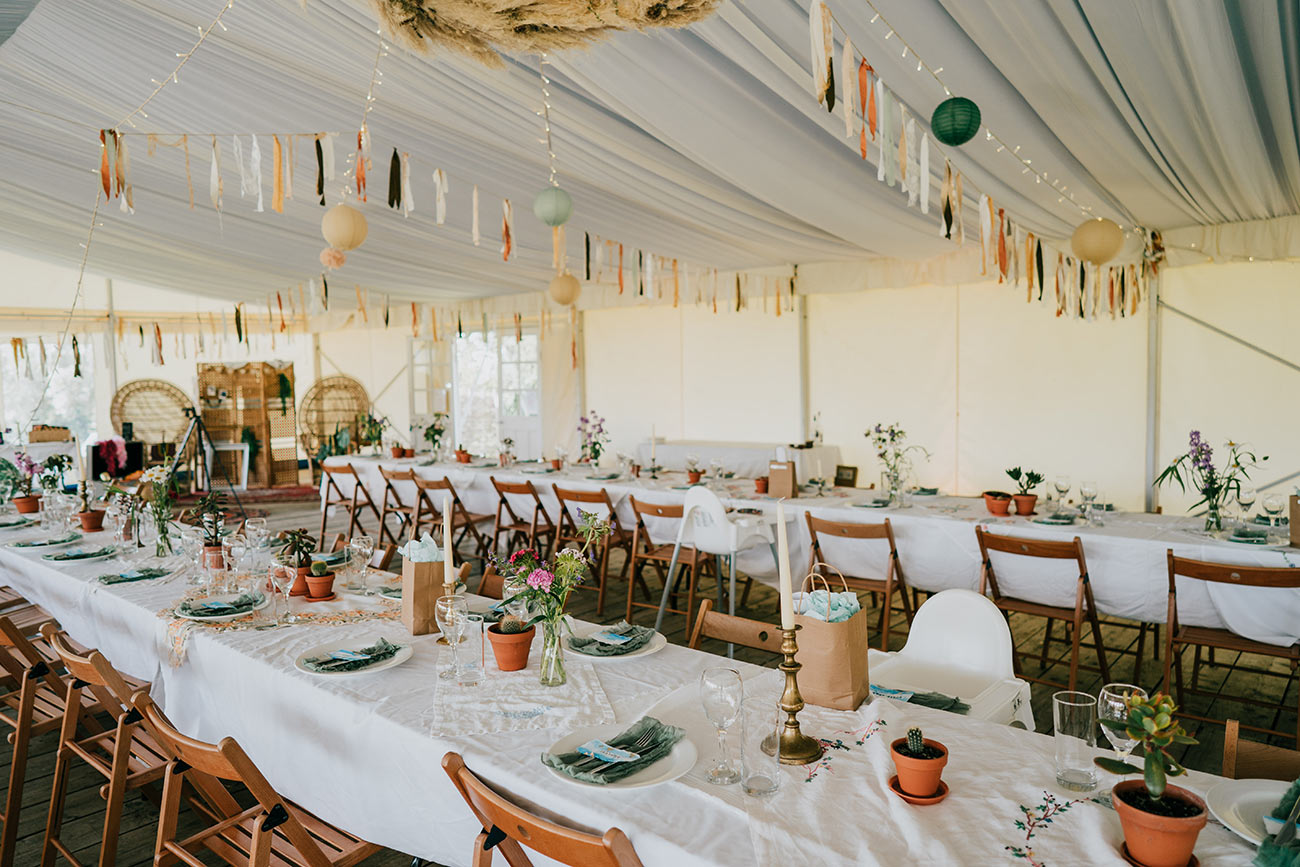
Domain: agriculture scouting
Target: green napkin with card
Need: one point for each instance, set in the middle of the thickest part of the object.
(146, 574)
(353, 660)
(615, 640)
(80, 554)
(648, 738)
(242, 604)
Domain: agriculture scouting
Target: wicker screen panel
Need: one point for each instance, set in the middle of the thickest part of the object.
(154, 407)
(254, 400)
(333, 403)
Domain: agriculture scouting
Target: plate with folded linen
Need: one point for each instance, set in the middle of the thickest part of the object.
(221, 607)
(1241, 806)
(348, 658)
(78, 554)
(622, 640)
(66, 539)
(618, 756)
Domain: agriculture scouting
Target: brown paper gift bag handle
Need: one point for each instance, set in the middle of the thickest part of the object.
(811, 579)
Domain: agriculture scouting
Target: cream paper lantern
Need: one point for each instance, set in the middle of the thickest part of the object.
(344, 227)
(565, 288)
(1097, 241)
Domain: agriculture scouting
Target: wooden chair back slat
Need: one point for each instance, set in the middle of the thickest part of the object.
(1050, 549)
(1227, 573)
(492, 585)
(734, 630)
(847, 529)
(93, 668)
(1246, 760)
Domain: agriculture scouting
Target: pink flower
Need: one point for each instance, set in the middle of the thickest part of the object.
(540, 579)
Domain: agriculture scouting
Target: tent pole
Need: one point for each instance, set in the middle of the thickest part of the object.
(315, 357)
(1154, 339)
(110, 332)
(801, 307)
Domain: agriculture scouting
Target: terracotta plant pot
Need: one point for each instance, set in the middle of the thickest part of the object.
(408, 453)
(556, 463)
(92, 521)
(636, 471)
(462, 457)
(1158, 841)
(1025, 503)
(27, 505)
(320, 586)
(511, 650)
(694, 476)
(212, 558)
(396, 451)
(760, 485)
(997, 502)
(918, 777)
(299, 587)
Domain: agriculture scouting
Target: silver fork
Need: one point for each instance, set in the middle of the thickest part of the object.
(641, 743)
(1287, 834)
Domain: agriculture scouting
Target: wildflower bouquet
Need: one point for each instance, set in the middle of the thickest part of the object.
(1195, 468)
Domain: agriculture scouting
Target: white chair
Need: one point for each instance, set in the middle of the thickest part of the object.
(959, 644)
(713, 531)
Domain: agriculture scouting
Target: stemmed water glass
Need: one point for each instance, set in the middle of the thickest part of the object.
(721, 693)
(1246, 495)
(360, 550)
(1273, 506)
(191, 550)
(1112, 704)
(233, 550)
(1062, 486)
(450, 612)
(282, 578)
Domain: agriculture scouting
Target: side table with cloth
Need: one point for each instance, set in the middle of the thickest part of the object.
(360, 752)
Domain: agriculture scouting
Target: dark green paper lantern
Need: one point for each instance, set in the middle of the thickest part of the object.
(955, 121)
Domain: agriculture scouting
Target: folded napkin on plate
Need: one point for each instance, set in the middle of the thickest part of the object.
(833, 607)
(1269, 853)
(638, 637)
(663, 738)
(391, 592)
(1249, 533)
(242, 604)
(80, 554)
(353, 660)
(16, 522)
(926, 492)
(936, 700)
(42, 543)
(133, 575)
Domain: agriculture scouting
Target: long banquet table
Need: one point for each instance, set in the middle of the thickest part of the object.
(936, 543)
(364, 751)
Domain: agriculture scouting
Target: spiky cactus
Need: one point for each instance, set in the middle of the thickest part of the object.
(318, 568)
(915, 742)
(510, 625)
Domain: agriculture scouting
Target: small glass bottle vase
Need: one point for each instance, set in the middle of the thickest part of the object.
(1213, 518)
(552, 665)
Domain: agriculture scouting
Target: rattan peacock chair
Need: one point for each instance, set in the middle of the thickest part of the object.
(156, 410)
(330, 406)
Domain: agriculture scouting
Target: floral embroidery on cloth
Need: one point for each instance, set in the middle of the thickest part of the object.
(858, 737)
(1035, 819)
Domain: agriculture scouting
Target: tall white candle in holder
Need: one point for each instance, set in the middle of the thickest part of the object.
(448, 576)
(783, 567)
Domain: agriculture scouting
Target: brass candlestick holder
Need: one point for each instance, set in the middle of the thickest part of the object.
(83, 496)
(797, 748)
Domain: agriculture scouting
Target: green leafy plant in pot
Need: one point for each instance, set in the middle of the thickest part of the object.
(1160, 821)
(919, 762)
(298, 548)
(1026, 481)
(211, 513)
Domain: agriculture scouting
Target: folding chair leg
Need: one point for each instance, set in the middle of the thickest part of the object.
(1047, 643)
(17, 773)
(54, 821)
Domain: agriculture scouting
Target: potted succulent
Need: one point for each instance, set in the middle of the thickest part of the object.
(462, 456)
(26, 501)
(760, 485)
(693, 471)
(1026, 480)
(1161, 822)
(997, 502)
(297, 551)
(557, 462)
(211, 512)
(92, 520)
(512, 639)
(320, 582)
(507, 454)
(919, 762)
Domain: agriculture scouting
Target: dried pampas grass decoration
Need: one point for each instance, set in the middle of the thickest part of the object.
(481, 28)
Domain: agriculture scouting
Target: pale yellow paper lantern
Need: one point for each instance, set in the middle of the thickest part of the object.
(565, 288)
(344, 227)
(1097, 241)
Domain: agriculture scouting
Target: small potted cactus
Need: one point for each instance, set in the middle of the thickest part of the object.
(1026, 481)
(320, 581)
(997, 502)
(919, 762)
(693, 471)
(210, 511)
(511, 639)
(1161, 822)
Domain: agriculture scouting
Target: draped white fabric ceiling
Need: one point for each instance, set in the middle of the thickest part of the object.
(704, 144)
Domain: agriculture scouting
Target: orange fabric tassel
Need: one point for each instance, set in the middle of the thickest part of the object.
(677, 289)
(277, 186)
(280, 302)
(620, 269)
(361, 168)
(415, 321)
(862, 142)
(104, 176)
(864, 86)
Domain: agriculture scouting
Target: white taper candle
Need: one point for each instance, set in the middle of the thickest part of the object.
(448, 576)
(783, 566)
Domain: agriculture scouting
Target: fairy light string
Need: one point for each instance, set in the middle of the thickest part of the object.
(545, 114)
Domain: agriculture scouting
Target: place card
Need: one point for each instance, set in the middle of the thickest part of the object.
(598, 749)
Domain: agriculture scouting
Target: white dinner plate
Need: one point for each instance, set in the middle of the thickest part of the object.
(222, 618)
(355, 644)
(1242, 804)
(55, 558)
(677, 763)
(654, 645)
(37, 544)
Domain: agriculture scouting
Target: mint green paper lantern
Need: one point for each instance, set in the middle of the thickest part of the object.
(955, 121)
(553, 206)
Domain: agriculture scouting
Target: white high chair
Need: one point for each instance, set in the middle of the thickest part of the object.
(713, 531)
(959, 644)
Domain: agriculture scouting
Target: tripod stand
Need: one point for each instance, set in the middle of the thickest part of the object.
(198, 429)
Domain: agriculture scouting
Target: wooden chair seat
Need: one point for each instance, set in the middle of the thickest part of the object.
(1250, 760)
(1223, 639)
(232, 840)
(47, 708)
(145, 759)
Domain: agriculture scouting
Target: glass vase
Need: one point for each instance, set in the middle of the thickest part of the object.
(1213, 518)
(552, 665)
(163, 543)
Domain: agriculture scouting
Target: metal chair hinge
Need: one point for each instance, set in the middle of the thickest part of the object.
(494, 838)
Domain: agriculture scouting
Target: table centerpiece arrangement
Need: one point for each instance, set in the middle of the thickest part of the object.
(1195, 468)
(890, 443)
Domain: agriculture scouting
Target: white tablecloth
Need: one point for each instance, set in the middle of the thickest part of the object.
(746, 460)
(937, 548)
(359, 751)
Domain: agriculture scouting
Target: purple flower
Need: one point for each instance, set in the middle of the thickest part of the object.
(540, 579)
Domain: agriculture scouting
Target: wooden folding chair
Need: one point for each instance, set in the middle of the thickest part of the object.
(1250, 760)
(507, 826)
(428, 511)
(644, 550)
(392, 504)
(35, 705)
(734, 630)
(893, 572)
(492, 584)
(1085, 609)
(1179, 637)
(571, 503)
(538, 531)
(353, 505)
(272, 831)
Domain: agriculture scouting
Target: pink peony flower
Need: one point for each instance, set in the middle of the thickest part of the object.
(540, 579)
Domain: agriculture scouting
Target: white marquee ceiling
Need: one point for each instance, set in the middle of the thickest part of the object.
(702, 144)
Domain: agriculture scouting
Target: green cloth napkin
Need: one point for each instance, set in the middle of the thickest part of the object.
(640, 636)
(80, 554)
(663, 738)
(212, 608)
(330, 557)
(1258, 519)
(939, 701)
(926, 492)
(144, 574)
(16, 522)
(1269, 853)
(1249, 534)
(45, 543)
(354, 660)
(391, 592)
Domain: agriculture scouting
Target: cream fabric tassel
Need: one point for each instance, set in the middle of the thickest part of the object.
(923, 174)
(214, 177)
(440, 188)
(474, 228)
(255, 169)
(846, 85)
(408, 200)
(327, 154)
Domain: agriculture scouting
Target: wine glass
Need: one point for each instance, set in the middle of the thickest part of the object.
(1088, 493)
(1273, 506)
(282, 578)
(233, 550)
(1112, 704)
(721, 693)
(1246, 495)
(360, 550)
(1062, 486)
(450, 612)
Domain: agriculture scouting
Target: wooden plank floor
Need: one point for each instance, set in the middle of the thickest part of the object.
(84, 812)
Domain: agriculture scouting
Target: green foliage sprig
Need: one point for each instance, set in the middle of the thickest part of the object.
(1151, 723)
(1027, 479)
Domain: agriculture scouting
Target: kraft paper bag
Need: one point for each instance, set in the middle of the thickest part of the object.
(781, 481)
(421, 587)
(833, 655)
